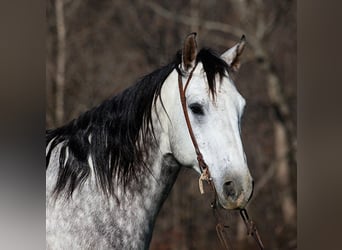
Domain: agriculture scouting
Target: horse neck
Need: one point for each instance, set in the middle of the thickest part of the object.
(144, 197)
(150, 191)
(128, 219)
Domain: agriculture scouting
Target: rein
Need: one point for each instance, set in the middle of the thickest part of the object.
(205, 177)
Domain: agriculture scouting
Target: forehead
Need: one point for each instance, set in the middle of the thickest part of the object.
(225, 89)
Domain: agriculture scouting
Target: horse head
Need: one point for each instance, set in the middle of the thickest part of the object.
(214, 108)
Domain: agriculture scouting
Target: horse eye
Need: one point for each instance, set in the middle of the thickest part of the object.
(196, 109)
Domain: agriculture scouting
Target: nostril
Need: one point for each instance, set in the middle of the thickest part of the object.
(229, 189)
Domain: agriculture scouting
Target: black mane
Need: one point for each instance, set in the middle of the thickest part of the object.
(118, 133)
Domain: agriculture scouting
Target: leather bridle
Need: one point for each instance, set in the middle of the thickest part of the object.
(205, 176)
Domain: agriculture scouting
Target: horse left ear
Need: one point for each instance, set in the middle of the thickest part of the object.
(232, 55)
(189, 52)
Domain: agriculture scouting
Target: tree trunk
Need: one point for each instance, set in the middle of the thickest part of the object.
(60, 72)
(195, 15)
(282, 139)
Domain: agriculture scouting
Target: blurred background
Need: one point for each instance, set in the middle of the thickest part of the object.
(95, 49)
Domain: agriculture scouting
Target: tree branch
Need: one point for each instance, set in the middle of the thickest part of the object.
(192, 21)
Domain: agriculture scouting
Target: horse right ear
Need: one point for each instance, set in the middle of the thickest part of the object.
(189, 52)
(232, 55)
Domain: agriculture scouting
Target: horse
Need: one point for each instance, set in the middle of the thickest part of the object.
(109, 171)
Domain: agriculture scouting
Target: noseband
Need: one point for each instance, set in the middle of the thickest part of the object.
(205, 175)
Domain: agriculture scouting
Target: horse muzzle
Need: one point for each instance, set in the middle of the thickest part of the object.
(235, 194)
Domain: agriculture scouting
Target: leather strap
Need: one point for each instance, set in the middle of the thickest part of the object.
(202, 164)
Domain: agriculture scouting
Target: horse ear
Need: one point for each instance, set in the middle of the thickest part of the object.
(232, 55)
(189, 52)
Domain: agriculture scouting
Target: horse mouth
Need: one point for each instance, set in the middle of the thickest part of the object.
(233, 203)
